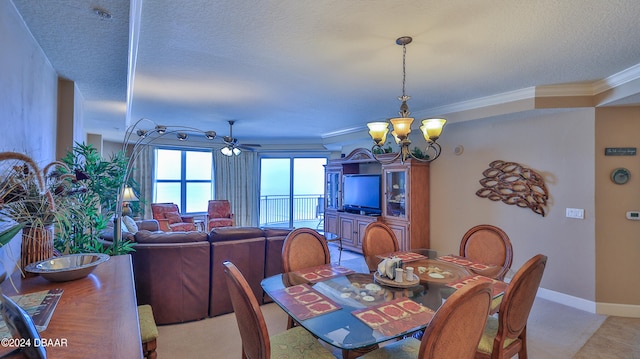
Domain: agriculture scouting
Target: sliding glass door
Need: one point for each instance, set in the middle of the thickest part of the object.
(291, 191)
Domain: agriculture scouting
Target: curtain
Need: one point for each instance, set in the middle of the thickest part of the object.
(143, 166)
(236, 180)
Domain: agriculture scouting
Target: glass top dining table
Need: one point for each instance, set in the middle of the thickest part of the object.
(350, 309)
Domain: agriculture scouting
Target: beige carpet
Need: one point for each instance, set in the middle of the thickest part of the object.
(555, 331)
(617, 338)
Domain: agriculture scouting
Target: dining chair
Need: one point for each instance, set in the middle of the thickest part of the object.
(506, 335)
(256, 343)
(454, 331)
(490, 245)
(303, 248)
(378, 239)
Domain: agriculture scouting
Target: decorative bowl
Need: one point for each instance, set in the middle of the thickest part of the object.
(67, 267)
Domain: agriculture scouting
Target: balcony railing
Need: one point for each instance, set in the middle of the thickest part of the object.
(275, 210)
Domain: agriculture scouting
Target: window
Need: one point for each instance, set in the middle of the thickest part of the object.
(184, 177)
(291, 191)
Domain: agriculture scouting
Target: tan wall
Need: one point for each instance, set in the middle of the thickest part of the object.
(64, 131)
(560, 147)
(617, 239)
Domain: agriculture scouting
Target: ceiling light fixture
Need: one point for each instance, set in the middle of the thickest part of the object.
(431, 128)
(102, 13)
(230, 151)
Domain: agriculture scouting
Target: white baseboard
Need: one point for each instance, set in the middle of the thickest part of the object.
(568, 300)
(618, 310)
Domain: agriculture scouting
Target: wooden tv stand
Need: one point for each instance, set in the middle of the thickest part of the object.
(404, 196)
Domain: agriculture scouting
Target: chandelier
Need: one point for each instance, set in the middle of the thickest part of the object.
(431, 128)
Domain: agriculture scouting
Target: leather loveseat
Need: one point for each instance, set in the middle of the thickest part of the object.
(180, 274)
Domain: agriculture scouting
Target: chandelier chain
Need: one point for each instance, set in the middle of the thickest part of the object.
(404, 68)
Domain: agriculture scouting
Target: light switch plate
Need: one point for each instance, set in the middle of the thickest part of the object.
(575, 213)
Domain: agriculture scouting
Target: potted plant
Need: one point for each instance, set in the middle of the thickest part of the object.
(39, 200)
(97, 203)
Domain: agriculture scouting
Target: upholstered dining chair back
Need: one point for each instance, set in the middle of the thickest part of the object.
(256, 342)
(378, 239)
(505, 336)
(219, 214)
(454, 331)
(304, 248)
(253, 328)
(489, 245)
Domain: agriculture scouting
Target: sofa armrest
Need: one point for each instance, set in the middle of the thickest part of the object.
(149, 225)
(187, 219)
(106, 235)
(164, 225)
(174, 279)
(248, 256)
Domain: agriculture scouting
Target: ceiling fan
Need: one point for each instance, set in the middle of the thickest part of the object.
(232, 147)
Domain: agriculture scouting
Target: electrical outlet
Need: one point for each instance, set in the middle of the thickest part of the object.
(575, 213)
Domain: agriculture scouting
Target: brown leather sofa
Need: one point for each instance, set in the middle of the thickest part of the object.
(253, 250)
(180, 274)
(171, 272)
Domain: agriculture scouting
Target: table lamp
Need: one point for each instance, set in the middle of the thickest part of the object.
(128, 196)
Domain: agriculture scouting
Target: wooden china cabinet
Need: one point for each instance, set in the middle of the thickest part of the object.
(405, 202)
(404, 196)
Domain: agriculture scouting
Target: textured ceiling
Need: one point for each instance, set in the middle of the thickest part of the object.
(313, 69)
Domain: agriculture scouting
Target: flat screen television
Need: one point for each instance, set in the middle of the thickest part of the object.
(361, 193)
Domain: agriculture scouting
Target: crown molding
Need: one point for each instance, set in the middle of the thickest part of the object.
(618, 79)
(487, 101)
(564, 90)
(516, 101)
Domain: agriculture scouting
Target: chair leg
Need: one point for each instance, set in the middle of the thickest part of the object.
(522, 354)
(290, 322)
(149, 349)
(148, 332)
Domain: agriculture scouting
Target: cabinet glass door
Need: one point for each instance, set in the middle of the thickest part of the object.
(395, 189)
(333, 190)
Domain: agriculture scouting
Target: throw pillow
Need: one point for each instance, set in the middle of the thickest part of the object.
(173, 217)
(130, 224)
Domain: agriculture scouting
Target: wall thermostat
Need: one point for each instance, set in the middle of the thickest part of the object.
(633, 215)
(620, 175)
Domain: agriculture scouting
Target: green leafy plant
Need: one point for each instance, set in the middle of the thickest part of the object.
(8, 234)
(418, 153)
(97, 204)
(37, 198)
(381, 150)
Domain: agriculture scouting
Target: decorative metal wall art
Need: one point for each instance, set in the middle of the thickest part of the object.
(512, 183)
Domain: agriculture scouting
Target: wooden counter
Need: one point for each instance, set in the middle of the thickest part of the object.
(97, 315)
